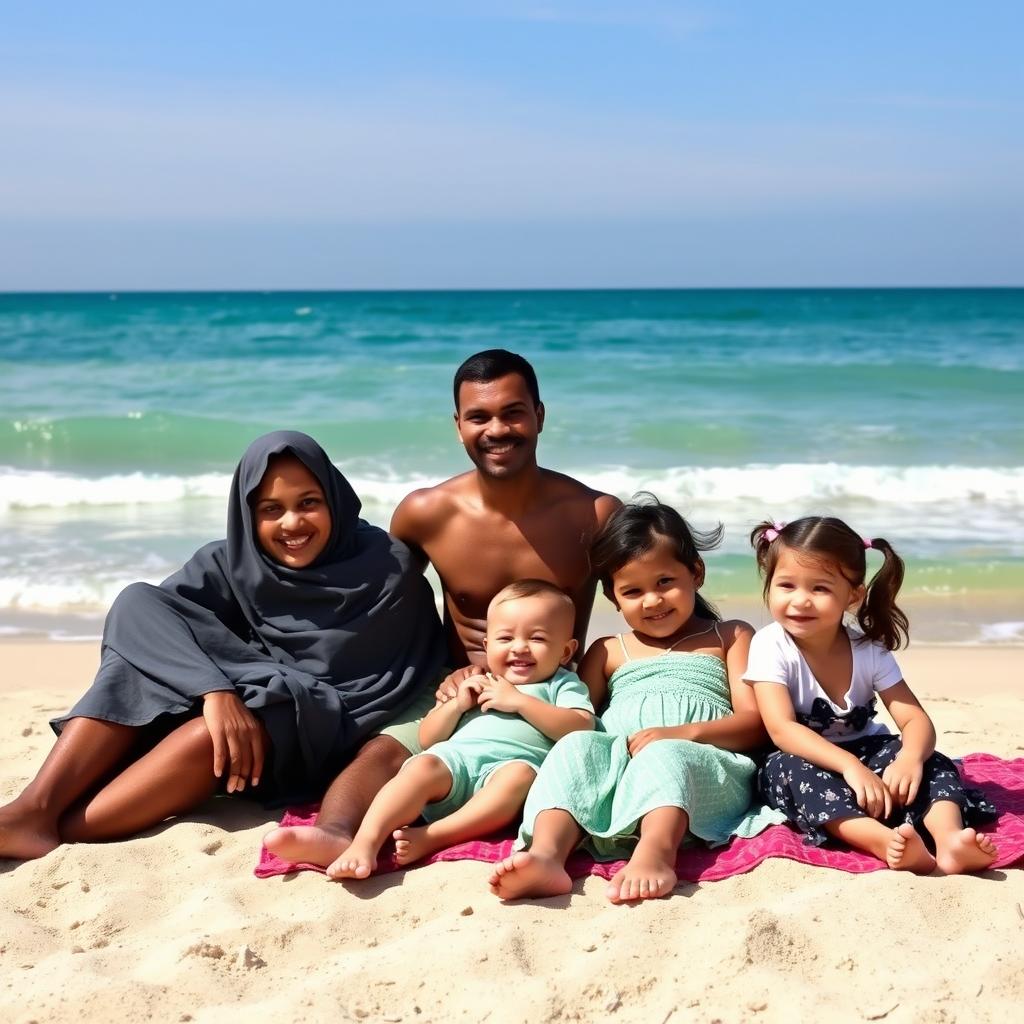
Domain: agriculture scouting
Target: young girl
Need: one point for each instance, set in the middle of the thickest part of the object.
(678, 715)
(286, 643)
(837, 771)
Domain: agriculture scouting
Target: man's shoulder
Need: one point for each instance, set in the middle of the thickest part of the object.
(423, 509)
(437, 495)
(560, 485)
(560, 489)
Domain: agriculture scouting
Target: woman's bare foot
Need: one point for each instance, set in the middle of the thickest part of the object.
(906, 852)
(358, 861)
(25, 836)
(643, 878)
(307, 844)
(412, 844)
(526, 874)
(963, 851)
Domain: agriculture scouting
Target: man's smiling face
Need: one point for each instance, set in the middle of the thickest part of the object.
(498, 425)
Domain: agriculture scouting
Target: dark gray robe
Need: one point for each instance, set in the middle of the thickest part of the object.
(323, 655)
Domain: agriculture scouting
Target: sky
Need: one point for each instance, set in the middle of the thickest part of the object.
(573, 143)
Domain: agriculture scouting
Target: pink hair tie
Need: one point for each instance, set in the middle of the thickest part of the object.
(867, 543)
(773, 531)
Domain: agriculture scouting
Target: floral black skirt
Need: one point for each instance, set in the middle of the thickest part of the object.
(811, 797)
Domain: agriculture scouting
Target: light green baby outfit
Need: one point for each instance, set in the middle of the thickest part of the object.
(485, 741)
(592, 776)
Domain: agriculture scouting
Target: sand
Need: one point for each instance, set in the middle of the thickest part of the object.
(172, 926)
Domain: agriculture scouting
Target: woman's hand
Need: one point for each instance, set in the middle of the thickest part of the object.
(237, 739)
(903, 778)
(872, 794)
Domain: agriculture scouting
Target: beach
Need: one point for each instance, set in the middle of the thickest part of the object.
(123, 418)
(173, 925)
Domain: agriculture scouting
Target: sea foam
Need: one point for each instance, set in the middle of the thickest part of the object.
(809, 484)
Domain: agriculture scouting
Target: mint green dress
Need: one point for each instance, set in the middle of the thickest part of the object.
(592, 776)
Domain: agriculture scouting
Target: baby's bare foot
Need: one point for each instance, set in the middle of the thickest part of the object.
(643, 878)
(964, 851)
(307, 844)
(25, 837)
(358, 861)
(525, 874)
(907, 852)
(412, 844)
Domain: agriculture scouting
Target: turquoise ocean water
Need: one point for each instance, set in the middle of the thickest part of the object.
(121, 417)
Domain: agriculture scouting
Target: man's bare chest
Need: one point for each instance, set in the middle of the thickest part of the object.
(481, 557)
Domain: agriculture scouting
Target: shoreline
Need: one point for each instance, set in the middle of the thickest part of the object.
(983, 619)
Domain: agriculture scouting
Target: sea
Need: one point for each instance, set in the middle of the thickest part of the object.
(902, 411)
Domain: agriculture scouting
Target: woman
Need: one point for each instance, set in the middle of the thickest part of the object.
(285, 644)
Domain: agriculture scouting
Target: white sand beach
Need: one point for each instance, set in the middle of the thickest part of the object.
(173, 926)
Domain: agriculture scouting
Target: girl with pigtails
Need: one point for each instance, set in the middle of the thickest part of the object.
(838, 772)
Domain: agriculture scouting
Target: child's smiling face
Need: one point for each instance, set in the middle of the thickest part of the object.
(808, 596)
(528, 638)
(656, 593)
(290, 513)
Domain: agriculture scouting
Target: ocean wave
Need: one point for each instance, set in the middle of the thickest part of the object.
(758, 487)
(36, 489)
(814, 484)
(80, 594)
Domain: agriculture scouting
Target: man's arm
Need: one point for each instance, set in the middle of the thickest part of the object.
(604, 506)
(414, 521)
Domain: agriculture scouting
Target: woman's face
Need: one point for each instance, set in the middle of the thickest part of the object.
(293, 522)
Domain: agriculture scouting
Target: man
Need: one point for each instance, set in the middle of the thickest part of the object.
(504, 520)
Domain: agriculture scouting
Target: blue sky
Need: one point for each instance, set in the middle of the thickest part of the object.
(560, 144)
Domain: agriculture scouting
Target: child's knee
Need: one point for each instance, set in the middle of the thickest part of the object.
(427, 767)
(518, 775)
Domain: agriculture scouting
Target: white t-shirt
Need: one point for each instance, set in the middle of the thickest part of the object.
(775, 658)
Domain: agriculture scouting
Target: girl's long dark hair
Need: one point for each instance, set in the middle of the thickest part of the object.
(831, 540)
(634, 529)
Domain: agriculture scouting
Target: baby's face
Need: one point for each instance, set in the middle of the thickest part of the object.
(528, 638)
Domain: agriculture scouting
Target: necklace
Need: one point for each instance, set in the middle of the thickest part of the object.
(689, 636)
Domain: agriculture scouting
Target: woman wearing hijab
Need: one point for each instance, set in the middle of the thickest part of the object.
(265, 660)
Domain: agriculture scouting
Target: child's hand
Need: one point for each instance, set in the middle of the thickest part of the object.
(468, 693)
(449, 686)
(872, 794)
(903, 778)
(640, 739)
(498, 694)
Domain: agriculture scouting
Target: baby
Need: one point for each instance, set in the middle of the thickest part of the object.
(488, 741)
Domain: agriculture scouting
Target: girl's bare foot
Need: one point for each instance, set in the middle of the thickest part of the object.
(307, 844)
(643, 878)
(25, 836)
(358, 861)
(526, 874)
(906, 852)
(412, 844)
(963, 851)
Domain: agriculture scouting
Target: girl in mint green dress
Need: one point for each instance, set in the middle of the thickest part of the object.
(670, 759)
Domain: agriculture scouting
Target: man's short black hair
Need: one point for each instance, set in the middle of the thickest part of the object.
(492, 364)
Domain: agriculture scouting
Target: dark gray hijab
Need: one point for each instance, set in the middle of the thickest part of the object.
(324, 655)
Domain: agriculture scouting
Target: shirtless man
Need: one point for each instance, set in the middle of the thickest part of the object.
(504, 520)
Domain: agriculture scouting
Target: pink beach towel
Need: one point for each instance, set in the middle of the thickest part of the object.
(1001, 781)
